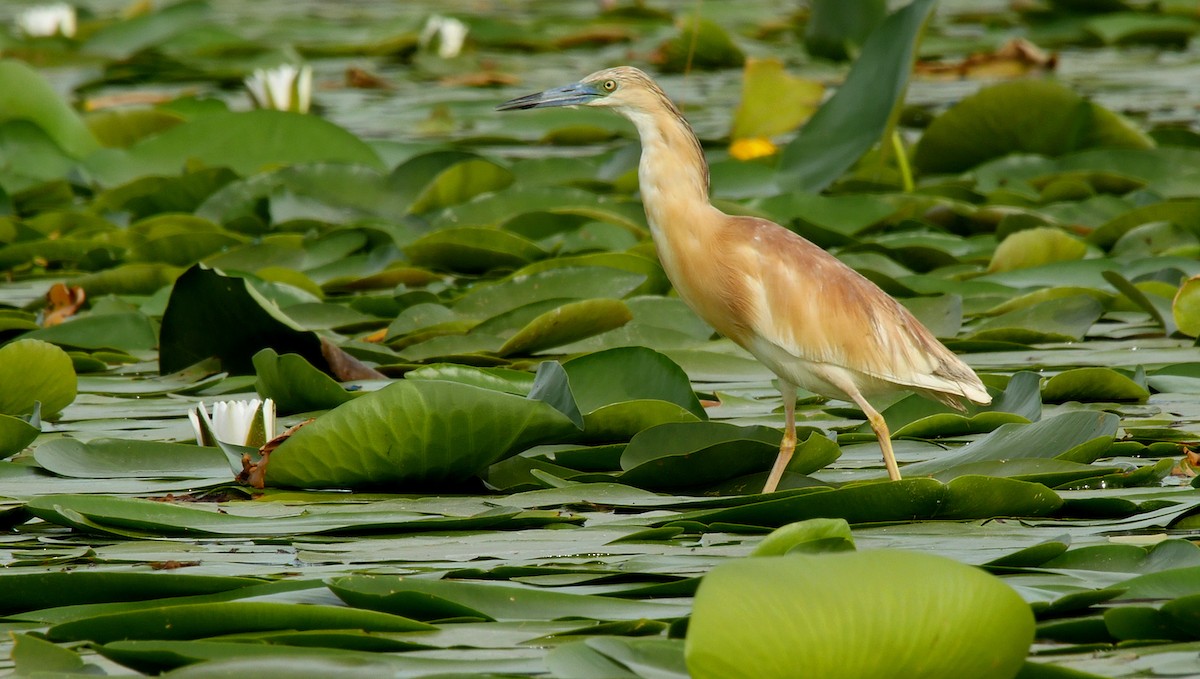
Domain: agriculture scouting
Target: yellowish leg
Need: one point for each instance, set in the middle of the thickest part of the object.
(877, 422)
(788, 446)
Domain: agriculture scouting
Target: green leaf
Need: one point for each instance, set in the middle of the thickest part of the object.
(412, 434)
(1185, 308)
(31, 655)
(773, 102)
(837, 30)
(426, 599)
(114, 458)
(1036, 247)
(565, 324)
(1054, 437)
(701, 43)
(807, 537)
(1022, 116)
(121, 39)
(246, 142)
(1057, 320)
(123, 331)
(628, 373)
(25, 95)
(1092, 384)
(15, 434)
(193, 621)
(33, 371)
(472, 249)
(744, 622)
(51, 589)
(859, 113)
(295, 385)
(210, 314)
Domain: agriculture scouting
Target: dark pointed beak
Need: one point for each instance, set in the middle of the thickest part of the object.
(569, 95)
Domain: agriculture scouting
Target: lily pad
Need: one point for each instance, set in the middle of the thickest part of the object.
(33, 371)
(411, 434)
(1093, 384)
(1023, 116)
(855, 624)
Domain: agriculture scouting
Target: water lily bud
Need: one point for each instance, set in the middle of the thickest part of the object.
(449, 32)
(286, 87)
(242, 423)
(47, 20)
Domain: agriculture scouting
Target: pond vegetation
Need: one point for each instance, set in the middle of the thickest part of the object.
(526, 456)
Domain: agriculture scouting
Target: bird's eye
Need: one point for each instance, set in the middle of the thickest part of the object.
(609, 85)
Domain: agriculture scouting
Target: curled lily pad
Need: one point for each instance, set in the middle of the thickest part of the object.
(295, 385)
(567, 323)
(1093, 384)
(856, 624)
(33, 371)
(411, 434)
(1186, 307)
(15, 434)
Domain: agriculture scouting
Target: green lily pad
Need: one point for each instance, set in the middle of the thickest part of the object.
(295, 385)
(1036, 247)
(27, 96)
(34, 371)
(210, 314)
(15, 434)
(1185, 308)
(855, 624)
(1023, 116)
(565, 324)
(807, 537)
(1093, 384)
(413, 433)
(473, 249)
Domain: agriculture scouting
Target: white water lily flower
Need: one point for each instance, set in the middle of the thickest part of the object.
(450, 33)
(234, 422)
(286, 87)
(47, 20)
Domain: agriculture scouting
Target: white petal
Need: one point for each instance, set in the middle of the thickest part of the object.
(268, 413)
(304, 83)
(453, 33)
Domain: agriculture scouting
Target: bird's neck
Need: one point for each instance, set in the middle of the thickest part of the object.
(672, 173)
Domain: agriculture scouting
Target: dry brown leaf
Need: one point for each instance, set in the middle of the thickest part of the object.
(365, 80)
(1013, 59)
(481, 79)
(345, 367)
(61, 303)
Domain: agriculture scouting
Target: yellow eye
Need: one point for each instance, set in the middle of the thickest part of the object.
(609, 85)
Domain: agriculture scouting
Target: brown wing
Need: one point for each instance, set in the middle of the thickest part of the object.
(803, 300)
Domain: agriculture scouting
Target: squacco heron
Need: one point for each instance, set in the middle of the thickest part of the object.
(815, 322)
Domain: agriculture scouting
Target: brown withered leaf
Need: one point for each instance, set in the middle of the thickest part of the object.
(345, 367)
(598, 36)
(1013, 59)
(487, 78)
(365, 80)
(254, 474)
(171, 565)
(61, 303)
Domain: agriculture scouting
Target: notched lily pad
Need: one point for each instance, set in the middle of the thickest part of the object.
(33, 371)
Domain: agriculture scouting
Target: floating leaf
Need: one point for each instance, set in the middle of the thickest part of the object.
(472, 249)
(567, 323)
(1035, 247)
(837, 30)
(412, 434)
(210, 314)
(1092, 384)
(25, 95)
(1186, 307)
(295, 385)
(15, 434)
(33, 372)
(855, 624)
(1022, 116)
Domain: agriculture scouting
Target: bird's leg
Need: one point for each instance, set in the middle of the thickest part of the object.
(878, 424)
(881, 433)
(788, 445)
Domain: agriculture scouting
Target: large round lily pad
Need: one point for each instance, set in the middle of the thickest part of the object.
(852, 615)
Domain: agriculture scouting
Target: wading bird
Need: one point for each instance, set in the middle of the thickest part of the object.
(815, 322)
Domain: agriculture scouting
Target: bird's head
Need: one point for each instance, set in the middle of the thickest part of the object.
(623, 88)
